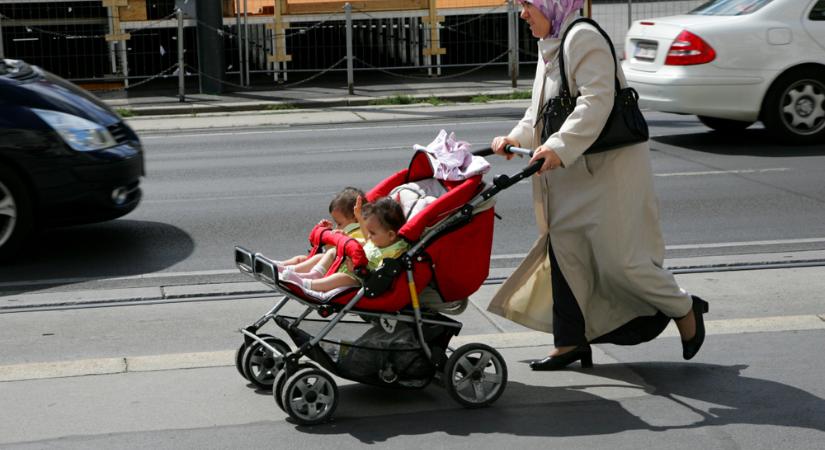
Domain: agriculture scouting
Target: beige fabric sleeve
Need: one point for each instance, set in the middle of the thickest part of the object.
(524, 131)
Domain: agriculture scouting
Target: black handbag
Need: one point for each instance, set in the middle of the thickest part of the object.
(626, 124)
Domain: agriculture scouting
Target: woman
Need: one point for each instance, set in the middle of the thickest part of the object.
(597, 214)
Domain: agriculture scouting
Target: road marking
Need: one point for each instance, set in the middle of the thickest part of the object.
(239, 197)
(322, 152)
(505, 256)
(224, 358)
(316, 130)
(370, 149)
(721, 172)
(745, 244)
(704, 246)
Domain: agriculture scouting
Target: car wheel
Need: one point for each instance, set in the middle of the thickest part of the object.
(724, 125)
(794, 109)
(15, 213)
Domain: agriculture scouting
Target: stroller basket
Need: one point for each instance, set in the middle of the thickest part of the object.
(372, 353)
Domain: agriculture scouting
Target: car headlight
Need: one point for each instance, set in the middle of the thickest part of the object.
(81, 134)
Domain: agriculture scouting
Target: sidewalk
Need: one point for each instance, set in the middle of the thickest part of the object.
(193, 395)
(321, 94)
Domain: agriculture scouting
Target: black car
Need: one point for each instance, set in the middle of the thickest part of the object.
(65, 157)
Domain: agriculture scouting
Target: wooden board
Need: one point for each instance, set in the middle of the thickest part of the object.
(337, 6)
(265, 7)
(136, 10)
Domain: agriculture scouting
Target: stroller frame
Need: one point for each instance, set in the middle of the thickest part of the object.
(307, 393)
(263, 269)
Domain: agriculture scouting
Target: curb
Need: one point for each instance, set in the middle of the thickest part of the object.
(92, 298)
(192, 108)
(225, 358)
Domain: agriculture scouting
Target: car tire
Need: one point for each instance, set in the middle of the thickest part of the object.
(724, 125)
(15, 213)
(794, 108)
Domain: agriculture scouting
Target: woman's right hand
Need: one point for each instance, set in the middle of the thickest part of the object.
(498, 144)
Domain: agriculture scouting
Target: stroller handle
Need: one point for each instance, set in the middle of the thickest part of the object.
(504, 181)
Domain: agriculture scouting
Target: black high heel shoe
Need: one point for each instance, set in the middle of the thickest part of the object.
(691, 347)
(581, 353)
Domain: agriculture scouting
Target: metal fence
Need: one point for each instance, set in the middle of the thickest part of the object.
(83, 40)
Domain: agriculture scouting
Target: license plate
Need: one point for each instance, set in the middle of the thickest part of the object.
(645, 51)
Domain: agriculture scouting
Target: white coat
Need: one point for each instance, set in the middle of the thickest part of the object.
(599, 211)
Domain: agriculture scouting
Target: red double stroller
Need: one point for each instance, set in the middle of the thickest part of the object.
(401, 306)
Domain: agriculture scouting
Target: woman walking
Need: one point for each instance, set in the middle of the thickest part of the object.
(595, 273)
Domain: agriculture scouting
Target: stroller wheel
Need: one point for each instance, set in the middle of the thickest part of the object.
(310, 396)
(239, 355)
(475, 375)
(280, 378)
(260, 365)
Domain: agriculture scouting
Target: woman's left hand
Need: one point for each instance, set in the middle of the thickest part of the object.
(551, 158)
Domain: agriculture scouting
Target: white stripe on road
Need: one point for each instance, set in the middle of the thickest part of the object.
(179, 361)
(745, 244)
(721, 172)
(305, 194)
(316, 130)
(238, 197)
(704, 246)
(505, 256)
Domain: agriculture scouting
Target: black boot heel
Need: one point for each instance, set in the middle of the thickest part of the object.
(691, 347)
(581, 353)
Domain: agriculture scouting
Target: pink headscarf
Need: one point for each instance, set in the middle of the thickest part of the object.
(556, 11)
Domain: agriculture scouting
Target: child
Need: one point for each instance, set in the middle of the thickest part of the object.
(380, 222)
(341, 208)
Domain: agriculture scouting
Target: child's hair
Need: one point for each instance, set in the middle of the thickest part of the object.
(344, 201)
(388, 212)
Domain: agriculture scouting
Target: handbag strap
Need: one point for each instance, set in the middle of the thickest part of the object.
(565, 87)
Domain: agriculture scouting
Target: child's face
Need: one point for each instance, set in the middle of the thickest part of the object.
(379, 235)
(341, 220)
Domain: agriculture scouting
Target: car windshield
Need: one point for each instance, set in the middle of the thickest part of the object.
(729, 7)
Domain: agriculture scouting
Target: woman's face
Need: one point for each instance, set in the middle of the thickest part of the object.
(539, 25)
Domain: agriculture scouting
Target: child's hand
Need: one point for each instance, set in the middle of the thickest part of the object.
(350, 265)
(337, 230)
(359, 203)
(325, 223)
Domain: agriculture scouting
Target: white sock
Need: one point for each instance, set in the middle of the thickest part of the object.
(316, 272)
(307, 283)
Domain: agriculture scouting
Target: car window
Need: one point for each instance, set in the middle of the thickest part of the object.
(818, 13)
(729, 7)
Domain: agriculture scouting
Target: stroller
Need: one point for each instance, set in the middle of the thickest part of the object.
(401, 305)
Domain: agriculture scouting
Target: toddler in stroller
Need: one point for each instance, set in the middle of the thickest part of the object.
(342, 211)
(379, 223)
(405, 344)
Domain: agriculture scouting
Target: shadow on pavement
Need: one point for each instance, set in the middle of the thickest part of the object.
(108, 249)
(752, 142)
(689, 395)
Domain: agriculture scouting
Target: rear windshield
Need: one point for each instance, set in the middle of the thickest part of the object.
(729, 7)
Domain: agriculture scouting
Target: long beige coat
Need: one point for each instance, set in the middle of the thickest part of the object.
(599, 211)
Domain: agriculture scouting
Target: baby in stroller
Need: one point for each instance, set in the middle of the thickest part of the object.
(379, 223)
(341, 209)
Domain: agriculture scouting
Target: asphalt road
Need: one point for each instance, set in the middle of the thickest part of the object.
(756, 383)
(208, 190)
